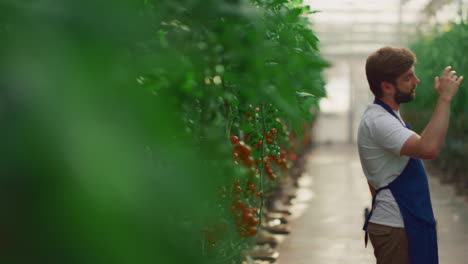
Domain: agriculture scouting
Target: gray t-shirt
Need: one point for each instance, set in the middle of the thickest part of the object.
(380, 139)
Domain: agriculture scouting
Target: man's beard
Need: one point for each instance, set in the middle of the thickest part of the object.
(401, 97)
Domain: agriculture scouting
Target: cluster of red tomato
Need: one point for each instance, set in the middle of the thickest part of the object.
(281, 161)
(268, 170)
(250, 190)
(242, 152)
(258, 144)
(270, 135)
(246, 220)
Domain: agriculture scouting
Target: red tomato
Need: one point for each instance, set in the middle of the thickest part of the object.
(249, 162)
(253, 230)
(234, 140)
(292, 156)
(254, 222)
(242, 150)
(247, 218)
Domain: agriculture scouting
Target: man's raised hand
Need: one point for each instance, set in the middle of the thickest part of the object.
(448, 84)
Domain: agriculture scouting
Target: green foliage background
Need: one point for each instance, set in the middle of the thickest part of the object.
(435, 51)
(116, 120)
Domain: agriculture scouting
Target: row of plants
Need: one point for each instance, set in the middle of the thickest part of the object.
(445, 45)
(149, 131)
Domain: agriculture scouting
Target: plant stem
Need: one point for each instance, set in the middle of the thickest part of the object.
(262, 112)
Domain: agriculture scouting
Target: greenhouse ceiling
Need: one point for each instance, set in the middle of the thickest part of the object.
(355, 27)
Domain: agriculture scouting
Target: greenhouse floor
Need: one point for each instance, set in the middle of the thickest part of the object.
(329, 229)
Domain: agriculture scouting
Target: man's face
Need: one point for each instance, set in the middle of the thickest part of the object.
(406, 86)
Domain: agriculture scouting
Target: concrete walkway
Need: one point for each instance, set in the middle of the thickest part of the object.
(329, 230)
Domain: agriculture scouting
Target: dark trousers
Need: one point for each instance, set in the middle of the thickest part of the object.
(390, 244)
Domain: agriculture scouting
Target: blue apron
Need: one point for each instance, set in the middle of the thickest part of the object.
(411, 192)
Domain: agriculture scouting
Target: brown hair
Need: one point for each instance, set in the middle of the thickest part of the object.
(387, 64)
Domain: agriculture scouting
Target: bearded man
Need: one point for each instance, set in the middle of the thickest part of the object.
(401, 224)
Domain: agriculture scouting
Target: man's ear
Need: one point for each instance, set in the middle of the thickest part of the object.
(387, 88)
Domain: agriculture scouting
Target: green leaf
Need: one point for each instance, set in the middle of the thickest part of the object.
(310, 38)
(293, 15)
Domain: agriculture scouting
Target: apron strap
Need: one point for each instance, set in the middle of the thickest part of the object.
(386, 107)
(368, 217)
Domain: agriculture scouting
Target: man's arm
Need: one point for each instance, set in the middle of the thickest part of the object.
(428, 145)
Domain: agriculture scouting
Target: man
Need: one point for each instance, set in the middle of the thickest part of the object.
(401, 225)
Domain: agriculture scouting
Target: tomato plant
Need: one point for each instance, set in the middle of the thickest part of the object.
(146, 121)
